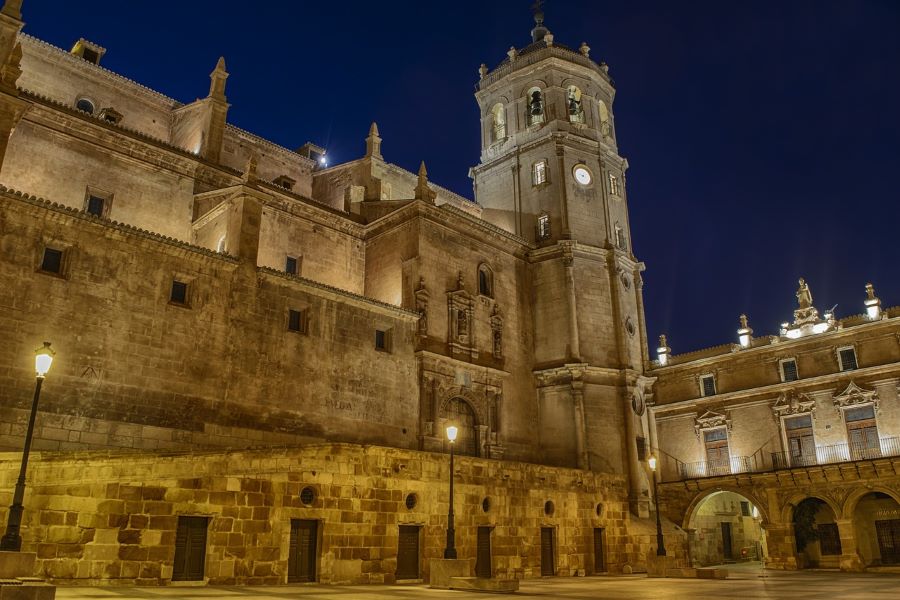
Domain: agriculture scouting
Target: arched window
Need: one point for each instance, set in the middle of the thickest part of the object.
(85, 105)
(574, 106)
(485, 280)
(621, 241)
(498, 122)
(535, 109)
(459, 413)
(605, 128)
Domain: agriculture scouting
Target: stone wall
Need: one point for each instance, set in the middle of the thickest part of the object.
(111, 517)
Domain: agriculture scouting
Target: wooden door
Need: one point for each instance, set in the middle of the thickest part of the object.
(726, 540)
(483, 555)
(548, 554)
(717, 456)
(888, 534)
(190, 549)
(408, 552)
(801, 444)
(303, 551)
(599, 554)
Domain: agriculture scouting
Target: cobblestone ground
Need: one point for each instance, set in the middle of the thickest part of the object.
(744, 583)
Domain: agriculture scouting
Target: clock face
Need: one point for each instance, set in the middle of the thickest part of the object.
(582, 175)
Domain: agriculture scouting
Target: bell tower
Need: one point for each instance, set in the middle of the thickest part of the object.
(550, 172)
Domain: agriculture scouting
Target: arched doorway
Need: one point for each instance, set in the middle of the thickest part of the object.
(876, 523)
(816, 535)
(458, 412)
(725, 527)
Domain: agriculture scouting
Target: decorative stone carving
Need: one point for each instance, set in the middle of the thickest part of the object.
(792, 404)
(422, 307)
(460, 318)
(711, 420)
(497, 332)
(854, 395)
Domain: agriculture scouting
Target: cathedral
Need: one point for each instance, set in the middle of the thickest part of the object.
(258, 354)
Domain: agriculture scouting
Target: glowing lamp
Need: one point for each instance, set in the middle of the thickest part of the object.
(43, 358)
(652, 462)
(452, 430)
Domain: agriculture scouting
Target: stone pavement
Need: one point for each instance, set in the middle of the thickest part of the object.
(746, 583)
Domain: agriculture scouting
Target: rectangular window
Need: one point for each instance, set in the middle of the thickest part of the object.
(382, 340)
(641, 448)
(862, 432)
(52, 261)
(847, 359)
(789, 370)
(708, 385)
(95, 205)
(613, 185)
(539, 172)
(298, 320)
(543, 227)
(178, 295)
(829, 539)
(292, 265)
(801, 446)
(745, 508)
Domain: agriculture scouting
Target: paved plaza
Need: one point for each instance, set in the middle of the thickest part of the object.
(744, 583)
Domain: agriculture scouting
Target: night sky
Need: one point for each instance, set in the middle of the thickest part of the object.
(763, 137)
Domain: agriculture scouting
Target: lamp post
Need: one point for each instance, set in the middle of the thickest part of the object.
(660, 542)
(450, 550)
(11, 540)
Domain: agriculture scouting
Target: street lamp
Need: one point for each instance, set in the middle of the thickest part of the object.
(11, 540)
(450, 550)
(660, 542)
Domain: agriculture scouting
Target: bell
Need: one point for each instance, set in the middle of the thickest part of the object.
(574, 106)
(536, 104)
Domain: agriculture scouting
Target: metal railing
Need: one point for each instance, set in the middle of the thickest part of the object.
(837, 453)
(713, 468)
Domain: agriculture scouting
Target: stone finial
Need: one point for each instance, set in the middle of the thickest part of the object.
(604, 66)
(482, 71)
(250, 175)
(423, 192)
(512, 53)
(548, 38)
(217, 80)
(585, 50)
(662, 340)
(663, 351)
(745, 334)
(373, 142)
(870, 292)
(743, 320)
(873, 303)
(459, 281)
(12, 8)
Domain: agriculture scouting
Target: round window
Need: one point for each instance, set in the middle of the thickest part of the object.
(629, 326)
(582, 175)
(85, 105)
(599, 509)
(308, 495)
(486, 504)
(411, 501)
(549, 508)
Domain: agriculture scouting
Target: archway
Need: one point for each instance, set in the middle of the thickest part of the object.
(876, 524)
(816, 536)
(725, 527)
(460, 413)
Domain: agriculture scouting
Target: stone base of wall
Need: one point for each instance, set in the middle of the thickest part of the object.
(112, 517)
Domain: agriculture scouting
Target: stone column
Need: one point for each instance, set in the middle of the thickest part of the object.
(639, 504)
(569, 265)
(581, 457)
(782, 546)
(850, 560)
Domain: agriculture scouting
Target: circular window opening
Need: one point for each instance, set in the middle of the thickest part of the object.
(411, 501)
(486, 504)
(599, 509)
(307, 495)
(549, 508)
(629, 326)
(85, 105)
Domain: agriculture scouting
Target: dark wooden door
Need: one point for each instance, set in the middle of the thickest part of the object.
(548, 560)
(888, 534)
(483, 556)
(303, 551)
(408, 552)
(599, 558)
(726, 540)
(190, 549)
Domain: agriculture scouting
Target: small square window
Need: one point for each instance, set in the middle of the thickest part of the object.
(52, 261)
(708, 385)
(382, 340)
(179, 293)
(789, 370)
(292, 265)
(95, 206)
(90, 56)
(745, 508)
(298, 321)
(847, 359)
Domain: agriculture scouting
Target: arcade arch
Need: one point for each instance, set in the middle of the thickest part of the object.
(725, 526)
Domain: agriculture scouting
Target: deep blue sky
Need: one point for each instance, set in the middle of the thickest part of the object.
(763, 137)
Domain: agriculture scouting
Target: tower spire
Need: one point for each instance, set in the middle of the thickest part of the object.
(539, 31)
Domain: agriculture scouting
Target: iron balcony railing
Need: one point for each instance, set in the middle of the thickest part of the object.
(837, 453)
(675, 470)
